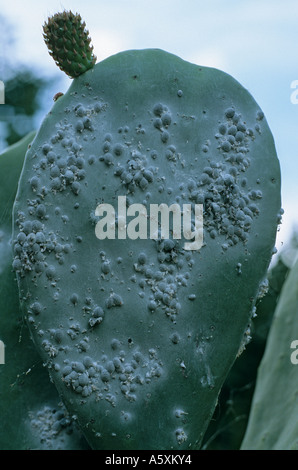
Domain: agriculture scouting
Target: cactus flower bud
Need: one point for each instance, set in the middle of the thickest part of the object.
(68, 42)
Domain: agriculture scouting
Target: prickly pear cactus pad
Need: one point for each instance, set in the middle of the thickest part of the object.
(32, 415)
(139, 334)
(273, 421)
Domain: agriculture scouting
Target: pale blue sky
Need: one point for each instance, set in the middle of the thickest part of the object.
(256, 41)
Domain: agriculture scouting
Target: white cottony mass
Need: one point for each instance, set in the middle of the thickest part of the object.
(159, 222)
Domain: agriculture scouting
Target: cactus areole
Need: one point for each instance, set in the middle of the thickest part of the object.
(138, 333)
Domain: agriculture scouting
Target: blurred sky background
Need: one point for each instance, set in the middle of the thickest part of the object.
(256, 41)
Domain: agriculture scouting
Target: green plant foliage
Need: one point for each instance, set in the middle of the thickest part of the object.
(23, 90)
(32, 415)
(228, 425)
(139, 335)
(273, 421)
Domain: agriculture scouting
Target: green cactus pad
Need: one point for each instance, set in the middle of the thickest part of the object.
(273, 421)
(32, 415)
(68, 42)
(228, 425)
(140, 334)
